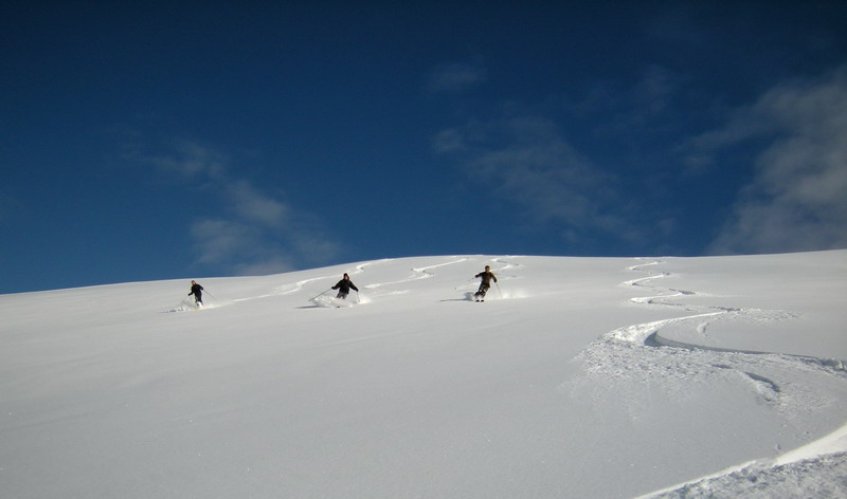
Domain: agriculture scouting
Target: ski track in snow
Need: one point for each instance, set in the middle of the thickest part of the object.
(326, 301)
(647, 336)
(640, 354)
(470, 287)
(645, 354)
(427, 272)
(418, 273)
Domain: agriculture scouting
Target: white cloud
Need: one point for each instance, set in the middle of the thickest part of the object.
(257, 207)
(526, 161)
(797, 199)
(256, 232)
(217, 241)
(191, 160)
(449, 141)
(455, 78)
(549, 177)
(241, 247)
(273, 264)
(653, 92)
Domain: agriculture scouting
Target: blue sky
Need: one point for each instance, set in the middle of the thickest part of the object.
(211, 139)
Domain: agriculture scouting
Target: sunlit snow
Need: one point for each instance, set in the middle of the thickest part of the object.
(578, 377)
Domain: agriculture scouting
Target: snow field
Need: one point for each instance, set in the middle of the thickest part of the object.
(577, 377)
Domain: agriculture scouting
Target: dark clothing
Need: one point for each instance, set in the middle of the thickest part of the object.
(197, 291)
(343, 286)
(486, 277)
(485, 284)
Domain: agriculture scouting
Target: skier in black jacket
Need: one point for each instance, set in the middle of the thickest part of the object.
(343, 286)
(197, 291)
(486, 276)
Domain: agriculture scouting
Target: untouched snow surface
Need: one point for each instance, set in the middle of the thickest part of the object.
(578, 377)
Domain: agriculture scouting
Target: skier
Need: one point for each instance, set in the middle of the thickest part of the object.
(343, 286)
(486, 276)
(197, 291)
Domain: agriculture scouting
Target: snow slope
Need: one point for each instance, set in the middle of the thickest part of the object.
(578, 377)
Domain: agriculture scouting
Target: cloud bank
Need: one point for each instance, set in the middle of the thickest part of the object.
(797, 200)
(258, 233)
(528, 162)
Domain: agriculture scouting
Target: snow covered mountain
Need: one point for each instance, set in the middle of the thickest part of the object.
(578, 377)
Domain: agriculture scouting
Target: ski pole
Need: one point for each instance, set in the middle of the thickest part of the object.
(358, 299)
(498, 289)
(321, 294)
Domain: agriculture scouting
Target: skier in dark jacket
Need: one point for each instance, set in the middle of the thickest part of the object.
(197, 291)
(343, 286)
(486, 276)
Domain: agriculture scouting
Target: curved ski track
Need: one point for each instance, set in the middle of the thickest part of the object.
(417, 274)
(639, 353)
